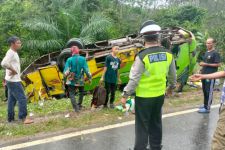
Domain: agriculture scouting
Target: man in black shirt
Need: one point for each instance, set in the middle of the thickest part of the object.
(210, 64)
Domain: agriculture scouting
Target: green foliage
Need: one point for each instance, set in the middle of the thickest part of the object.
(201, 47)
(46, 25)
(219, 34)
(70, 20)
(166, 17)
(44, 36)
(188, 17)
(98, 24)
(190, 14)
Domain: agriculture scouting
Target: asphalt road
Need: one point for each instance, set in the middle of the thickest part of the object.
(191, 131)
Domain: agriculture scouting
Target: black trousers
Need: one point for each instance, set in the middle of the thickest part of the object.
(148, 122)
(72, 91)
(207, 87)
(110, 89)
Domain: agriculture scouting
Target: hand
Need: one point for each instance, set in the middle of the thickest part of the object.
(119, 81)
(123, 101)
(89, 81)
(196, 77)
(3, 83)
(169, 91)
(66, 73)
(202, 64)
(101, 80)
(12, 72)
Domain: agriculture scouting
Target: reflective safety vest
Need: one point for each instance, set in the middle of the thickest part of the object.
(157, 61)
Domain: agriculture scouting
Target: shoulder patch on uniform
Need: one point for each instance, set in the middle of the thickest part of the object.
(158, 57)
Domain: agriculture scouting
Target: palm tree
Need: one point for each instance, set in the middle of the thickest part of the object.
(44, 35)
(97, 24)
(48, 34)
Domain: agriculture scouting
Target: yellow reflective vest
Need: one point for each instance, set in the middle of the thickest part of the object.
(157, 61)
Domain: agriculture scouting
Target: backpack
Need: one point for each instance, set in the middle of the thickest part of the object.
(99, 96)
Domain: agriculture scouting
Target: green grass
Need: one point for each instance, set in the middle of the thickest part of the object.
(55, 111)
(84, 120)
(50, 117)
(50, 107)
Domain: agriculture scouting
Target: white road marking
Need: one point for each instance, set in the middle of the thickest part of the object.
(89, 131)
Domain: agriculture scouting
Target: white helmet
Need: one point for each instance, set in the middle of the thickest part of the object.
(150, 28)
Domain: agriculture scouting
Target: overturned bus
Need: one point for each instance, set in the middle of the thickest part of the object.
(44, 78)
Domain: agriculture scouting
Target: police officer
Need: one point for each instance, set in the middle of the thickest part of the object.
(148, 76)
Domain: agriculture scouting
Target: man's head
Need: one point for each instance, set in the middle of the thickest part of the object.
(115, 50)
(210, 44)
(14, 43)
(74, 50)
(150, 31)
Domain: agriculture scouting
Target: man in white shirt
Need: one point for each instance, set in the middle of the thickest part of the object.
(11, 62)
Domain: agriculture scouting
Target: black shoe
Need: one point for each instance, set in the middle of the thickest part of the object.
(112, 106)
(155, 147)
(81, 107)
(105, 107)
(11, 121)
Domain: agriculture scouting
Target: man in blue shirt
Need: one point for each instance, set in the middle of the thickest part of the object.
(74, 71)
(111, 75)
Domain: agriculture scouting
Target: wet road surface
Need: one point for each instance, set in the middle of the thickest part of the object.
(192, 131)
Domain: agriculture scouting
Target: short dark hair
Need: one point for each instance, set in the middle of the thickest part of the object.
(151, 38)
(213, 40)
(12, 40)
(115, 46)
(165, 42)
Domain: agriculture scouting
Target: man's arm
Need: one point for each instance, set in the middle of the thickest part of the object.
(86, 70)
(103, 73)
(215, 75)
(6, 60)
(136, 71)
(6, 63)
(104, 69)
(216, 62)
(210, 65)
(197, 77)
(172, 79)
(118, 73)
(66, 69)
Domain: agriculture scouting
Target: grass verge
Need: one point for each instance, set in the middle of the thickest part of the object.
(49, 117)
